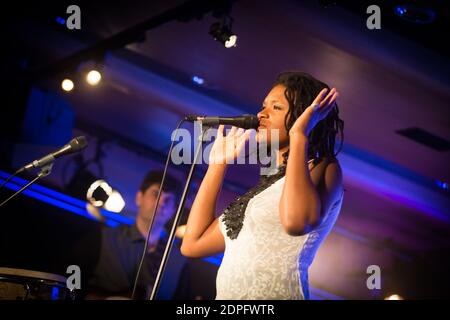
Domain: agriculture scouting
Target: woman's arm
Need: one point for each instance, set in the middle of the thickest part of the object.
(307, 196)
(300, 203)
(202, 236)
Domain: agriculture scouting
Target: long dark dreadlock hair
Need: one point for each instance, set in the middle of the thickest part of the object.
(301, 90)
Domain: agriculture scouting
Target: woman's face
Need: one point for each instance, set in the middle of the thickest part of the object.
(272, 117)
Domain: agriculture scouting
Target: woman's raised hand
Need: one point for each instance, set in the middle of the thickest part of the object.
(228, 148)
(316, 112)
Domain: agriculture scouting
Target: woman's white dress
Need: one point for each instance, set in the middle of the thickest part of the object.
(264, 262)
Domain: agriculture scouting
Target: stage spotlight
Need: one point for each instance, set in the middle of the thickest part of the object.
(101, 195)
(442, 185)
(222, 32)
(61, 21)
(115, 202)
(93, 77)
(67, 85)
(415, 14)
(198, 80)
(393, 297)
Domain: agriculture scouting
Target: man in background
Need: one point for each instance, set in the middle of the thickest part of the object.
(122, 247)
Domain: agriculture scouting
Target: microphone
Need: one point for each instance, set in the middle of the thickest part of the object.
(74, 145)
(246, 121)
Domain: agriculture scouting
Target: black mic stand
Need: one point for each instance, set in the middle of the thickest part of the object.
(177, 217)
(45, 171)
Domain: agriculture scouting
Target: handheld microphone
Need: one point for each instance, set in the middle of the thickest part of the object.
(74, 145)
(246, 121)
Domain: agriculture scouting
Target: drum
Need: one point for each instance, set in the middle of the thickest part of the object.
(19, 284)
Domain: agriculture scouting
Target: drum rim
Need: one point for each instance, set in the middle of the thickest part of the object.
(32, 274)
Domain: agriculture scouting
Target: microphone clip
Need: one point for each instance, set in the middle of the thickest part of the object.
(45, 170)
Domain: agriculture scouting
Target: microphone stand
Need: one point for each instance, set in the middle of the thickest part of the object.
(45, 171)
(177, 216)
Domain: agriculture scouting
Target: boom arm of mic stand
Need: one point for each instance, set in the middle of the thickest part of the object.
(177, 218)
(45, 171)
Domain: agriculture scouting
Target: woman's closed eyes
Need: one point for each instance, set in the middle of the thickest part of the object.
(275, 107)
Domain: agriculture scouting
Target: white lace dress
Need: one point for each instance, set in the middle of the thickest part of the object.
(264, 262)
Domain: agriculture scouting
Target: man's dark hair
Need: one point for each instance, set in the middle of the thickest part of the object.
(155, 177)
